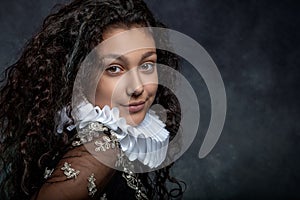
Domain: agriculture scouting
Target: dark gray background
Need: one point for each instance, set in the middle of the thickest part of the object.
(255, 44)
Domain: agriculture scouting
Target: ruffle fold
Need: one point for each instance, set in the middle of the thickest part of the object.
(147, 142)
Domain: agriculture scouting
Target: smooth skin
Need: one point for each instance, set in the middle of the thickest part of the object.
(129, 78)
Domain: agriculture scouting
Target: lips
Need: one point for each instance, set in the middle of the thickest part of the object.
(136, 106)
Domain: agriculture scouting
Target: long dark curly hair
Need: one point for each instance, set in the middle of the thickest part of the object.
(40, 84)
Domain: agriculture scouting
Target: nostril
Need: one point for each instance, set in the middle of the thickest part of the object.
(135, 92)
(135, 85)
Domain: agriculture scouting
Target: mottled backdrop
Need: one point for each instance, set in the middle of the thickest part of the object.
(255, 44)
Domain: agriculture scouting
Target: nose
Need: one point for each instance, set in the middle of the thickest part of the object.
(135, 85)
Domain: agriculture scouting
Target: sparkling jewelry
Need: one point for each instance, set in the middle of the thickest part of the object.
(91, 185)
(131, 178)
(69, 172)
(135, 183)
(48, 173)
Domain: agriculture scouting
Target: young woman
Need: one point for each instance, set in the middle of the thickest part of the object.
(75, 108)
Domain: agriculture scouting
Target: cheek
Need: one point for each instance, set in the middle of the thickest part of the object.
(104, 93)
(151, 84)
(151, 89)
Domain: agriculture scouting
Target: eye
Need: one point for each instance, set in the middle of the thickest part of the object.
(114, 69)
(147, 67)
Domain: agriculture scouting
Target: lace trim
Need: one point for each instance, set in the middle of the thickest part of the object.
(131, 178)
(106, 142)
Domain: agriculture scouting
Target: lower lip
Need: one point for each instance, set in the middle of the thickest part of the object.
(137, 108)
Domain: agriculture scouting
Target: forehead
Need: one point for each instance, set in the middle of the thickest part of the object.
(122, 41)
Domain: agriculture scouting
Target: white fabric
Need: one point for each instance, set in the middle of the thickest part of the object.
(147, 142)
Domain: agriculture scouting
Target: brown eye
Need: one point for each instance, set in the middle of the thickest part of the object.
(114, 69)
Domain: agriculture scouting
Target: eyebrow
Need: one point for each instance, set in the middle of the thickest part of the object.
(123, 58)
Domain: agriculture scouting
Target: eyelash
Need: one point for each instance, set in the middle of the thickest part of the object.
(152, 65)
(112, 68)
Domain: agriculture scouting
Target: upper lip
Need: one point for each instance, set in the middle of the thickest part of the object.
(136, 103)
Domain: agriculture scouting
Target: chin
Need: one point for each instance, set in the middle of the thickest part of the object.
(135, 119)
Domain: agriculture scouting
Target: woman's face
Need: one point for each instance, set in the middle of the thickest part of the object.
(129, 78)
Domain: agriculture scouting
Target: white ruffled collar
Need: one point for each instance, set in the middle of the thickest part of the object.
(147, 142)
